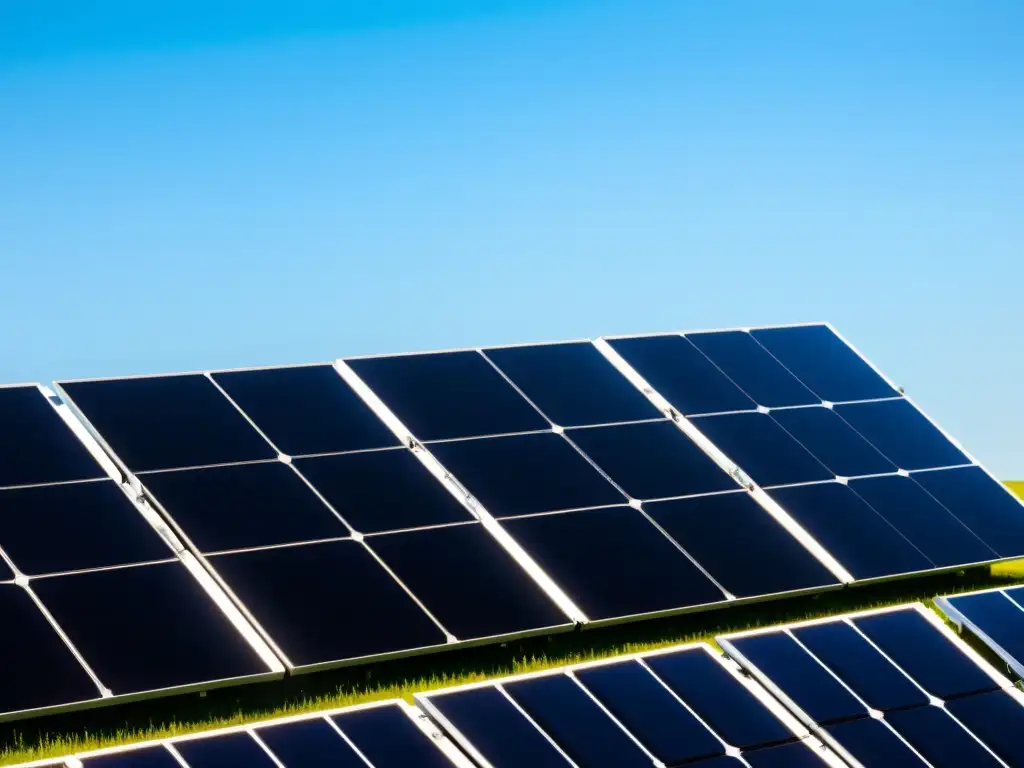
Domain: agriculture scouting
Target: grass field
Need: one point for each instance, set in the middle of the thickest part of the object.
(64, 734)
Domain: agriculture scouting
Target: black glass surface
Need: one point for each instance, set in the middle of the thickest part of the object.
(857, 536)
(863, 668)
(466, 580)
(310, 744)
(498, 731)
(573, 383)
(997, 719)
(650, 712)
(903, 434)
(652, 460)
(522, 474)
(998, 617)
(243, 505)
(833, 442)
(327, 602)
(382, 490)
(982, 504)
(36, 446)
(306, 409)
(824, 362)
(925, 654)
(613, 562)
(148, 627)
(168, 421)
(762, 449)
(233, 749)
(784, 756)
(753, 369)
(6, 574)
(53, 528)
(147, 757)
(448, 394)
(740, 544)
(682, 374)
(1016, 595)
(576, 723)
(796, 673)
(732, 711)
(389, 739)
(39, 670)
(942, 538)
(721, 762)
(939, 739)
(870, 742)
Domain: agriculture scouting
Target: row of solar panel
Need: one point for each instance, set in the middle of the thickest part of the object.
(457, 497)
(890, 687)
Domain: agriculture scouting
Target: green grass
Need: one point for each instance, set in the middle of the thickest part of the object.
(56, 736)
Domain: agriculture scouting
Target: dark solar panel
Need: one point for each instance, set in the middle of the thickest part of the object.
(573, 384)
(997, 719)
(871, 742)
(939, 738)
(740, 544)
(652, 460)
(218, 751)
(833, 442)
(147, 757)
(448, 394)
(312, 743)
(999, 619)
(783, 756)
(387, 738)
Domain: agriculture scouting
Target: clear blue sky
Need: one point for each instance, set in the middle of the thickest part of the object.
(248, 183)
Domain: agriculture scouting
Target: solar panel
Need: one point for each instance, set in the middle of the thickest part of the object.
(885, 687)
(108, 608)
(996, 617)
(681, 706)
(389, 734)
(330, 510)
(801, 406)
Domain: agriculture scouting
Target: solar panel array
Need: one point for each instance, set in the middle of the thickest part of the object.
(95, 604)
(684, 706)
(887, 688)
(996, 616)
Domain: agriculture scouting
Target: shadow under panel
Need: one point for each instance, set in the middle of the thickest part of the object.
(445, 395)
(746, 550)
(36, 446)
(310, 743)
(327, 602)
(682, 374)
(464, 578)
(306, 409)
(824, 363)
(573, 383)
(613, 562)
(858, 537)
(75, 526)
(231, 749)
(387, 738)
(524, 474)
(146, 628)
(651, 460)
(39, 670)
(168, 421)
(243, 505)
(382, 490)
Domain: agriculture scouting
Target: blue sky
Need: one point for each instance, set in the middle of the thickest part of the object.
(247, 183)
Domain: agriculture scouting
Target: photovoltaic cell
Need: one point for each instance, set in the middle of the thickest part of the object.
(652, 460)
(382, 490)
(573, 384)
(824, 363)
(524, 474)
(681, 373)
(447, 395)
(995, 718)
(753, 369)
(6, 574)
(467, 581)
(783, 756)
(287, 589)
(308, 409)
(871, 742)
(389, 739)
(903, 434)
(763, 449)
(613, 562)
(740, 544)
(939, 738)
(996, 618)
(75, 526)
(833, 442)
(168, 421)
(35, 445)
(243, 505)
(147, 757)
(311, 743)
(215, 751)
